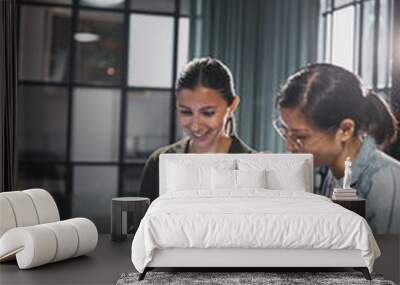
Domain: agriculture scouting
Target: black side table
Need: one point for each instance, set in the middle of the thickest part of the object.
(120, 207)
(356, 205)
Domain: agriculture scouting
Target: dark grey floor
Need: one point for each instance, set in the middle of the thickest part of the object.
(103, 266)
(111, 259)
(389, 262)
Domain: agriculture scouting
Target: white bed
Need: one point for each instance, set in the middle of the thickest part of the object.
(213, 212)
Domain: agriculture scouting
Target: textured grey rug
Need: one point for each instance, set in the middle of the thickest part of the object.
(228, 278)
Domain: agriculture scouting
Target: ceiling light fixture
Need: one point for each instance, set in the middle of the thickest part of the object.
(86, 37)
(103, 3)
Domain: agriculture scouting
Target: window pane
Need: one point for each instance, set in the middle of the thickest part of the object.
(391, 22)
(42, 122)
(150, 51)
(368, 43)
(148, 122)
(383, 44)
(183, 43)
(357, 36)
(68, 2)
(185, 7)
(95, 129)
(99, 47)
(48, 176)
(325, 5)
(44, 43)
(131, 180)
(94, 184)
(339, 3)
(103, 3)
(328, 44)
(343, 38)
(154, 5)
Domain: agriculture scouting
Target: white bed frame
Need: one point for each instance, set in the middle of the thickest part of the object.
(251, 258)
(234, 257)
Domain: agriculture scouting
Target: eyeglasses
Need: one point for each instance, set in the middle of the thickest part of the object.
(286, 134)
(298, 141)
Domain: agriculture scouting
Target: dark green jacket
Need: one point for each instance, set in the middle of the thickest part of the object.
(149, 181)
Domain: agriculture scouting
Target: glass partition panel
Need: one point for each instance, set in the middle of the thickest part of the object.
(42, 123)
(150, 51)
(165, 6)
(48, 176)
(94, 187)
(131, 180)
(99, 47)
(44, 43)
(95, 124)
(148, 122)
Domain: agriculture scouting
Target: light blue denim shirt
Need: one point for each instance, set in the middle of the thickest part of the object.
(376, 177)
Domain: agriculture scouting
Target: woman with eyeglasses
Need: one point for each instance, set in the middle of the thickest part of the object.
(206, 102)
(325, 111)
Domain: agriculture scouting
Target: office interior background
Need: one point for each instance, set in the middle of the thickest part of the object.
(96, 79)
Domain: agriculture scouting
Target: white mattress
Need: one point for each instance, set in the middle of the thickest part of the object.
(252, 218)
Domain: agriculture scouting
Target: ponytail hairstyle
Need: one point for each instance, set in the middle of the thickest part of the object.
(381, 121)
(327, 94)
(213, 74)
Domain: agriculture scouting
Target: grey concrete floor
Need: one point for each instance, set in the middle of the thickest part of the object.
(111, 259)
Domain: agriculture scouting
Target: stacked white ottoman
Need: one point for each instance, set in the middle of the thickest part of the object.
(31, 230)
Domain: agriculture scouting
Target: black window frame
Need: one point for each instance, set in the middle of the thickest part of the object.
(71, 85)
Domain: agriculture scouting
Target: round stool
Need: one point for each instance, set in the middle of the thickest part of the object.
(136, 206)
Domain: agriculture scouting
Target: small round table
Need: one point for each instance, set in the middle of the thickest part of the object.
(120, 207)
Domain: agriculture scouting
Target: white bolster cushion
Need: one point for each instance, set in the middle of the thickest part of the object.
(45, 205)
(33, 246)
(23, 208)
(67, 240)
(87, 234)
(40, 244)
(7, 218)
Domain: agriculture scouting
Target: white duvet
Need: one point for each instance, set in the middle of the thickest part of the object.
(250, 218)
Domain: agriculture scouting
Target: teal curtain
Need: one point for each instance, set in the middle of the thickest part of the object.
(263, 42)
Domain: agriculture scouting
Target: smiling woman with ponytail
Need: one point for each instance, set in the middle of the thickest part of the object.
(324, 110)
(206, 102)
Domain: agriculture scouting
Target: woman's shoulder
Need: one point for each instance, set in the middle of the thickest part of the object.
(239, 146)
(382, 161)
(374, 160)
(382, 170)
(177, 147)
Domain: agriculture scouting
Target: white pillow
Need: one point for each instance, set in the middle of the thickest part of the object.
(182, 177)
(223, 179)
(251, 178)
(281, 174)
(278, 180)
(237, 179)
